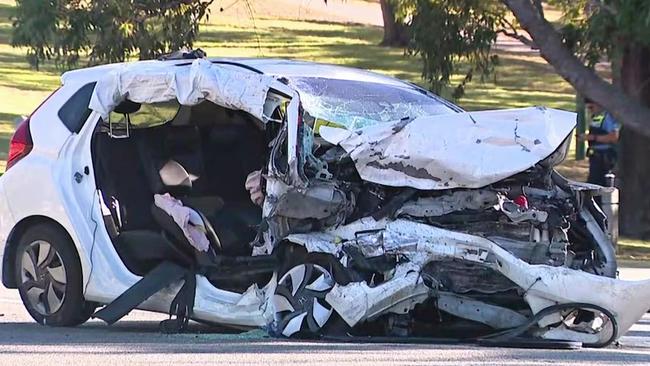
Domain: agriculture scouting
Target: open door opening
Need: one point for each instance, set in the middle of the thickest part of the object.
(200, 156)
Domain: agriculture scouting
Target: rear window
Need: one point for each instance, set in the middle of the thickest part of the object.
(150, 115)
(75, 111)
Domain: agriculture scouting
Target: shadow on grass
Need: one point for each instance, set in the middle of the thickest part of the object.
(4, 145)
(6, 12)
(9, 118)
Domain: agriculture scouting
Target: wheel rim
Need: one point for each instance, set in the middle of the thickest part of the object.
(43, 277)
(299, 300)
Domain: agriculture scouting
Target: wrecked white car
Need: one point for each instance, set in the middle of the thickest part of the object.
(382, 210)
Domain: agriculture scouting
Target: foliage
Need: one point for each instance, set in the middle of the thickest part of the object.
(447, 32)
(456, 36)
(104, 30)
(593, 28)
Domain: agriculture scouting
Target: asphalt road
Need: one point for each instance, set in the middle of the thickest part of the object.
(136, 341)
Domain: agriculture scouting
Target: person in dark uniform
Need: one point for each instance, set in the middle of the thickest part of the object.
(603, 140)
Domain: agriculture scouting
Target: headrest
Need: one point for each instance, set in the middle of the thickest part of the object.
(175, 178)
(127, 107)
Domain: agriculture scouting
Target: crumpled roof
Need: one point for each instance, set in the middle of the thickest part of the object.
(469, 150)
(152, 82)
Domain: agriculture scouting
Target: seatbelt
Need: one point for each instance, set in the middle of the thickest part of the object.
(161, 276)
(182, 306)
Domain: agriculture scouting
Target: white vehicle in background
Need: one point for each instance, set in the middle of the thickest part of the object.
(386, 210)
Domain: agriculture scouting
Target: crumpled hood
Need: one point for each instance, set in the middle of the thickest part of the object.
(468, 150)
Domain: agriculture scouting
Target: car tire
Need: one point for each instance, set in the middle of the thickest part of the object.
(49, 278)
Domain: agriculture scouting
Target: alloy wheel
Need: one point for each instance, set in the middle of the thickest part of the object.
(43, 277)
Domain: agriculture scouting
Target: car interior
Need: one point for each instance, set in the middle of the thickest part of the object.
(200, 156)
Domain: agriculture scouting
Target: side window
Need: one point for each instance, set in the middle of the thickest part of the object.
(75, 111)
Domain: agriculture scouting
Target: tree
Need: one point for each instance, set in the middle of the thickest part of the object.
(395, 31)
(620, 28)
(456, 36)
(104, 30)
(446, 32)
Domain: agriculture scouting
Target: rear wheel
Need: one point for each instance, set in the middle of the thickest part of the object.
(48, 273)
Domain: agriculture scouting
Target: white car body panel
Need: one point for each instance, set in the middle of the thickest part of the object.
(7, 223)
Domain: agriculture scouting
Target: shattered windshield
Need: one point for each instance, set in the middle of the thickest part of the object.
(357, 104)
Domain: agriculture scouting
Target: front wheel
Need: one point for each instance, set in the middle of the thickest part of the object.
(48, 273)
(299, 301)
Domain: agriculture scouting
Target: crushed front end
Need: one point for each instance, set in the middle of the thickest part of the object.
(454, 225)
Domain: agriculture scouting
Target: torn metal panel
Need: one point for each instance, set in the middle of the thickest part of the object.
(153, 82)
(316, 242)
(446, 151)
(604, 243)
(542, 285)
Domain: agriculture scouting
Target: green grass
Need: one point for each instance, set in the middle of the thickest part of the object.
(632, 249)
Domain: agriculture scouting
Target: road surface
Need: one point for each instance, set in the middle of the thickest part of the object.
(136, 341)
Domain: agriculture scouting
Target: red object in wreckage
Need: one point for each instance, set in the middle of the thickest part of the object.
(522, 201)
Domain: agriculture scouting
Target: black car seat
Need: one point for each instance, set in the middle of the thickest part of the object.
(178, 142)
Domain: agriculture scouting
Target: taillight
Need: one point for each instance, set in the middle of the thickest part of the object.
(21, 143)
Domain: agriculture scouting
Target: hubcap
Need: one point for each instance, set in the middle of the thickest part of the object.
(299, 300)
(43, 277)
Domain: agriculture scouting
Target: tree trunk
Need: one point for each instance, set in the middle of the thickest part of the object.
(634, 115)
(634, 166)
(395, 33)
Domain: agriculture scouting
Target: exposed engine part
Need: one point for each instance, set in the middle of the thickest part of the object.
(519, 213)
(448, 203)
(318, 201)
(465, 277)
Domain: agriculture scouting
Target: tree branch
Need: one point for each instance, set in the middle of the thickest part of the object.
(508, 29)
(566, 64)
(520, 37)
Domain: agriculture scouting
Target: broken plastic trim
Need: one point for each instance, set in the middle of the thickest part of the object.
(505, 336)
